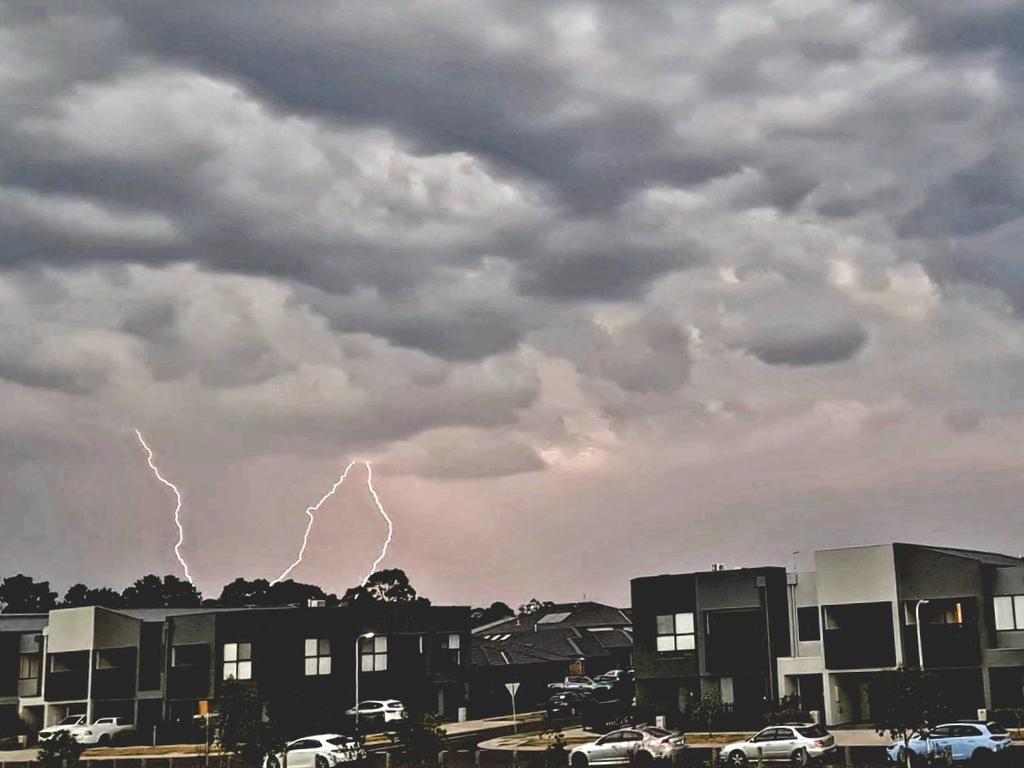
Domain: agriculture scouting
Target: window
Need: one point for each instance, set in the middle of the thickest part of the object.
(453, 644)
(318, 656)
(238, 661)
(675, 633)
(28, 666)
(373, 653)
(1009, 610)
(808, 626)
(189, 656)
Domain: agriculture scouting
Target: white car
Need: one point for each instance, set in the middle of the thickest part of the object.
(103, 731)
(324, 750)
(966, 740)
(798, 743)
(630, 746)
(389, 709)
(67, 724)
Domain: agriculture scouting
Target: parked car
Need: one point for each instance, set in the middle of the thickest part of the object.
(628, 746)
(67, 724)
(103, 731)
(578, 683)
(965, 740)
(567, 704)
(799, 743)
(322, 751)
(387, 709)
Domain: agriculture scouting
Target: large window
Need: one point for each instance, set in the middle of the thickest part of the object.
(675, 633)
(238, 661)
(189, 655)
(453, 644)
(807, 619)
(1009, 610)
(28, 666)
(318, 656)
(373, 654)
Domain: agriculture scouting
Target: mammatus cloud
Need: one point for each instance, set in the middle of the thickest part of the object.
(553, 267)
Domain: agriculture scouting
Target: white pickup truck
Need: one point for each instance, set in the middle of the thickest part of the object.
(69, 723)
(103, 731)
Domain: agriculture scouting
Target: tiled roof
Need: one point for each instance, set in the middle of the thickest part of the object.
(562, 615)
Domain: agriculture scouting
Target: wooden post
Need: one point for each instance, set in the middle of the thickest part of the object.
(848, 756)
(760, 757)
(716, 754)
(441, 757)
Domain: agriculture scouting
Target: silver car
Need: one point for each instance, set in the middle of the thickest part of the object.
(641, 744)
(799, 743)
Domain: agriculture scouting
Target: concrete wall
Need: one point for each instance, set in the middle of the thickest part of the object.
(115, 630)
(71, 629)
(924, 573)
(856, 575)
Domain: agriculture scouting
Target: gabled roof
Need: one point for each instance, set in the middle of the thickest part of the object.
(559, 616)
(564, 644)
(988, 558)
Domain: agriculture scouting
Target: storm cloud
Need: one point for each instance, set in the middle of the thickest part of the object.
(569, 272)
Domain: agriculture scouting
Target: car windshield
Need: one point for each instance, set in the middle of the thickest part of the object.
(72, 720)
(340, 741)
(656, 733)
(997, 729)
(812, 732)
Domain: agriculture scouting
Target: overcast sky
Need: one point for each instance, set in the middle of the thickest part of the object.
(601, 289)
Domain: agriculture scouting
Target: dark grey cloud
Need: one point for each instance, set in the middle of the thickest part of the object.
(527, 256)
(808, 346)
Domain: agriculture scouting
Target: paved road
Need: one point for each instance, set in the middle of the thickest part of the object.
(458, 733)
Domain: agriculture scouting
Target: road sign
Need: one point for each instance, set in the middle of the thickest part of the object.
(512, 688)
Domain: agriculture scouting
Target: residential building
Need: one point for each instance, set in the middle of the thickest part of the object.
(717, 632)
(863, 608)
(584, 638)
(155, 666)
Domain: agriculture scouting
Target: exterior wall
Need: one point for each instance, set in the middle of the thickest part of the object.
(71, 629)
(859, 575)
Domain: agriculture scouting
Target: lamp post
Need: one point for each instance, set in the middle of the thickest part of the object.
(917, 620)
(364, 636)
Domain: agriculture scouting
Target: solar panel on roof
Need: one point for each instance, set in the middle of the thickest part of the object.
(553, 618)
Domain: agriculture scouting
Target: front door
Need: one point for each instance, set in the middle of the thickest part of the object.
(784, 743)
(302, 754)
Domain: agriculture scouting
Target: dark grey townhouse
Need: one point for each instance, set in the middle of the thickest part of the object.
(155, 666)
(862, 610)
(717, 632)
(755, 634)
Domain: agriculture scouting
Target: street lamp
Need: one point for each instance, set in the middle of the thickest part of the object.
(917, 619)
(364, 636)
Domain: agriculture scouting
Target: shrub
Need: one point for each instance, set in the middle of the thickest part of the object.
(61, 751)
(421, 737)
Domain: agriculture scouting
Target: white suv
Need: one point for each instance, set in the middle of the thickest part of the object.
(796, 742)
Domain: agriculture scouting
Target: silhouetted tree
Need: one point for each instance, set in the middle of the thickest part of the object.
(903, 702)
(79, 595)
(387, 586)
(23, 594)
(534, 606)
(170, 592)
(495, 612)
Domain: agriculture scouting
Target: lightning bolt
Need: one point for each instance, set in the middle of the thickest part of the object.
(380, 508)
(309, 526)
(310, 513)
(177, 507)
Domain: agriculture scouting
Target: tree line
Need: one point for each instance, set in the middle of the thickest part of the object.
(23, 594)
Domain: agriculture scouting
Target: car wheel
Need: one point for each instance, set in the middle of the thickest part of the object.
(273, 762)
(579, 760)
(800, 757)
(737, 757)
(104, 740)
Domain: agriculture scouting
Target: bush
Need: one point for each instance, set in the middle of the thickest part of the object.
(421, 737)
(788, 710)
(60, 751)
